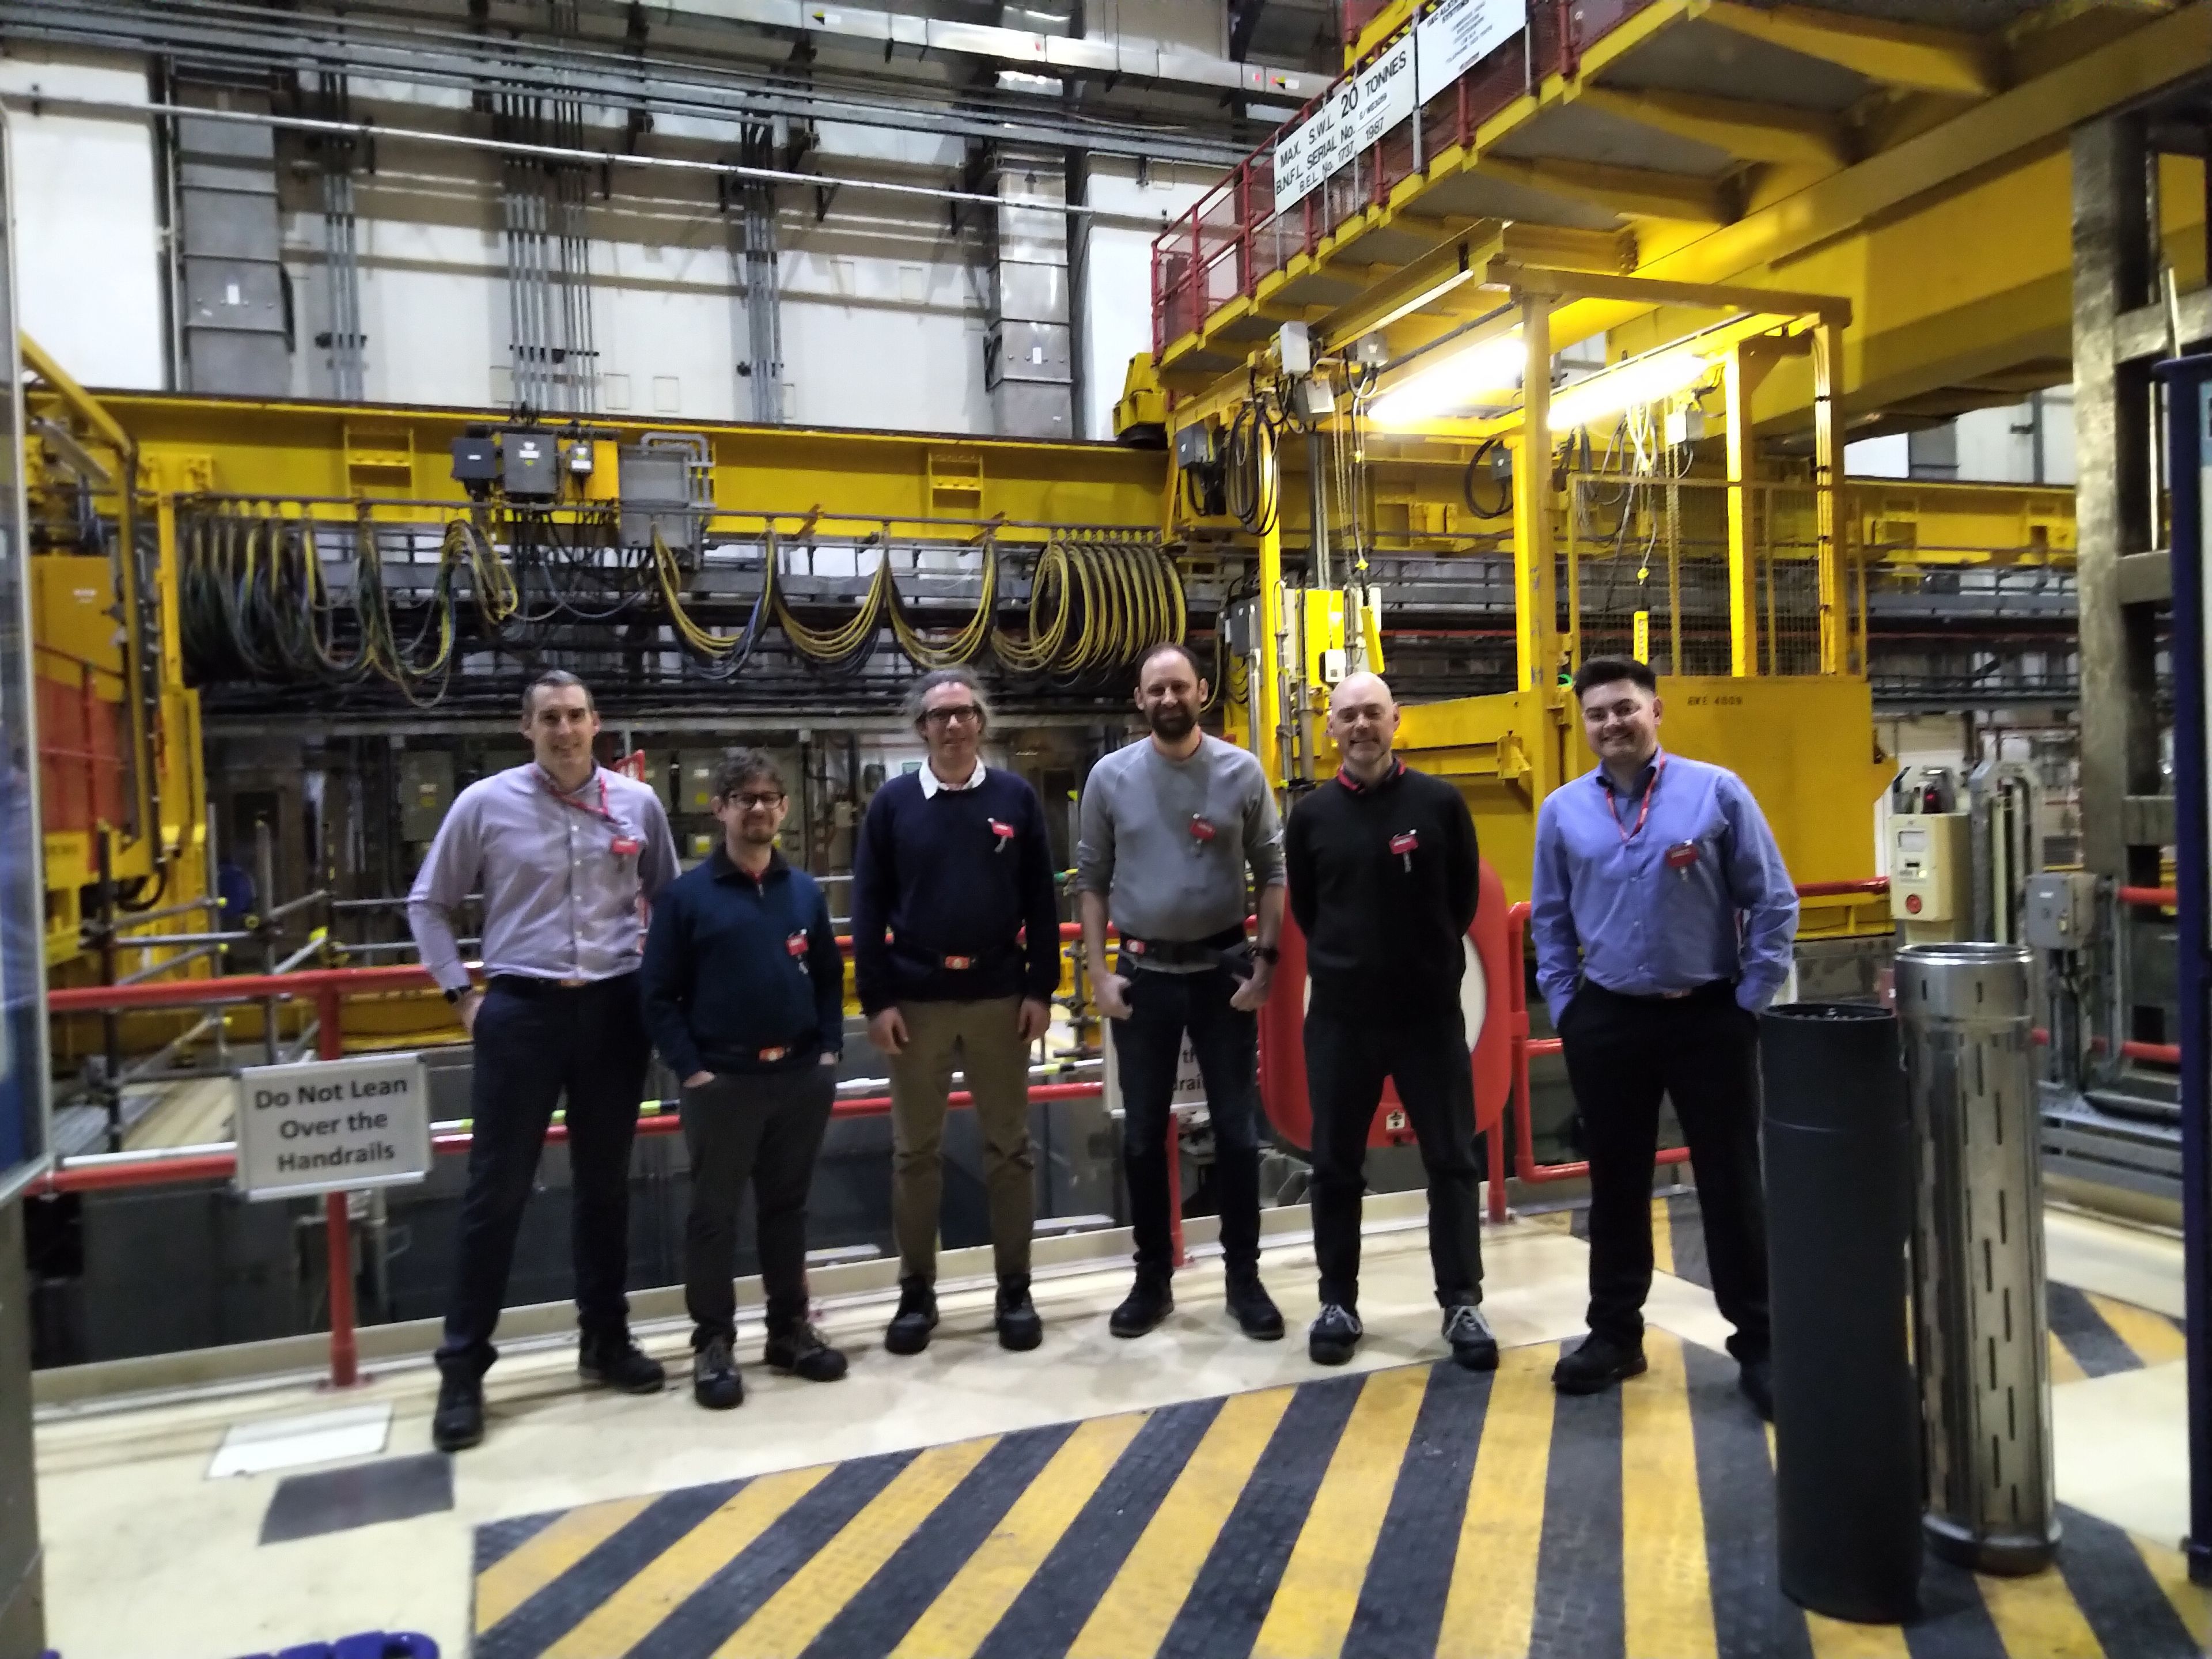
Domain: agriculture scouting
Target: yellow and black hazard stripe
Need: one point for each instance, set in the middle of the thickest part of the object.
(2091, 1334)
(1418, 1510)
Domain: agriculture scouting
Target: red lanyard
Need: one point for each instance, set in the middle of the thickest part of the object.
(1650, 789)
(599, 811)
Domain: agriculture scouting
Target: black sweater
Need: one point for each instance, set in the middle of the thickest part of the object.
(1384, 930)
(934, 877)
(736, 969)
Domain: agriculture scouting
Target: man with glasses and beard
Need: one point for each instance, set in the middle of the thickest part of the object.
(955, 956)
(1170, 826)
(744, 990)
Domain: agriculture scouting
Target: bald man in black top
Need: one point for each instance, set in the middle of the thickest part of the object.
(1383, 875)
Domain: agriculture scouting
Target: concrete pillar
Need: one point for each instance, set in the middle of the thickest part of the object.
(2113, 437)
(23, 1614)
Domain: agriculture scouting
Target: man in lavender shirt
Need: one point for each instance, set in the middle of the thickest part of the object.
(568, 855)
(1663, 921)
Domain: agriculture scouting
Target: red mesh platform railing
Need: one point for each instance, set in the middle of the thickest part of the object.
(1234, 239)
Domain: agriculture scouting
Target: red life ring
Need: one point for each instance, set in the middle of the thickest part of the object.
(1486, 998)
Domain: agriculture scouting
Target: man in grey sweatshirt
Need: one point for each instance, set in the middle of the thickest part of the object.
(1170, 825)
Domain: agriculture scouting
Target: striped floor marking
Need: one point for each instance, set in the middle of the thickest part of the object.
(1411, 1511)
(2094, 1335)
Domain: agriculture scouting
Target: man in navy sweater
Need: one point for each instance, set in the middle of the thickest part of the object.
(956, 955)
(743, 992)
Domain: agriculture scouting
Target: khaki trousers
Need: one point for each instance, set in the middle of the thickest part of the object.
(994, 1061)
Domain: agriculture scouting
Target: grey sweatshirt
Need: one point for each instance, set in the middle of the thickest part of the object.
(1138, 849)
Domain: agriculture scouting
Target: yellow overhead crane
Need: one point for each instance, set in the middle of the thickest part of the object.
(1772, 553)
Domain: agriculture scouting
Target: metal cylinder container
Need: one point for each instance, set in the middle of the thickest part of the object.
(1981, 1330)
(1840, 1216)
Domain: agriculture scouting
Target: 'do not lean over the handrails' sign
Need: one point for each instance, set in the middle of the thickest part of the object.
(329, 1126)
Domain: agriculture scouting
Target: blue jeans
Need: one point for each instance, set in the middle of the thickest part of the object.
(1147, 1046)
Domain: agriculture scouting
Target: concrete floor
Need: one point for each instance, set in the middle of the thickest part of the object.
(144, 1547)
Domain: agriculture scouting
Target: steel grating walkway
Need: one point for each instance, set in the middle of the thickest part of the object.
(1418, 1510)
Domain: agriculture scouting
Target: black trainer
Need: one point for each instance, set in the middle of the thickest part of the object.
(715, 1383)
(799, 1350)
(459, 1422)
(1757, 1382)
(1597, 1364)
(1019, 1327)
(908, 1331)
(1473, 1345)
(1151, 1299)
(615, 1362)
(1331, 1338)
(1251, 1307)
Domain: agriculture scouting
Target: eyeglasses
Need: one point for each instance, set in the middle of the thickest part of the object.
(748, 802)
(967, 713)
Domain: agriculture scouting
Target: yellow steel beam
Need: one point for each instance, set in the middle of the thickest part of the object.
(1750, 131)
(1535, 624)
(1827, 499)
(1911, 55)
(901, 480)
(1639, 193)
(1567, 285)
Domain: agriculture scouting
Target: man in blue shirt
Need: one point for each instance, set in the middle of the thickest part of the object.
(1663, 921)
(743, 992)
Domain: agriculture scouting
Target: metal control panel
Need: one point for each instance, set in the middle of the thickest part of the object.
(1930, 864)
(2061, 912)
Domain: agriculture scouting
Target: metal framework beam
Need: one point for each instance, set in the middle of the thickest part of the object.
(1909, 55)
(1751, 132)
(1638, 193)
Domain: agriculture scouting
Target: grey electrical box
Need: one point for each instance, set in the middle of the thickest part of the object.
(1240, 628)
(426, 792)
(1294, 346)
(656, 494)
(475, 458)
(2061, 912)
(658, 764)
(695, 782)
(532, 464)
(1194, 445)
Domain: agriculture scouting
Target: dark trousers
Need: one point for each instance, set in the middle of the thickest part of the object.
(1147, 1047)
(1347, 1059)
(1701, 1052)
(766, 1129)
(590, 1045)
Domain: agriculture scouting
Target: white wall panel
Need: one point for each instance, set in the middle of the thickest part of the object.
(1118, 275)
(89, 263)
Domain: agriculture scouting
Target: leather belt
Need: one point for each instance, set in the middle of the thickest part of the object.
(529, 985)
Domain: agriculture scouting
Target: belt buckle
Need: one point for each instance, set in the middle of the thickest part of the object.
(1135, 947)
(574, 984)
(769, 1056)
(959, 964)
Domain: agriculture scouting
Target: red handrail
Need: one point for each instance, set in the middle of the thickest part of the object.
(2154, 898)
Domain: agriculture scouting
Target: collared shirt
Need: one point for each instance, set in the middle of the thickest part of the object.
(560, 901)
(1606, 906)
(931, 783)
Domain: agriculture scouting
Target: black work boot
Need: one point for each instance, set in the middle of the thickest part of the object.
(1019, 1327)
(908, 1331)
(1251, 1307)
(1150, 1300)
(1331, 1338)
(1757, 1382)
(1597, 1364)
(457, 1424)
(1473, 1345)
(798, 1350)
(715, 1383)
(615, 1362)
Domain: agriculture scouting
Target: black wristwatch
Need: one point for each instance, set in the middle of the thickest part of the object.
(453, 996)
(1268, 953)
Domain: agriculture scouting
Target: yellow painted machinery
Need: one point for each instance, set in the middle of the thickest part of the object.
(1631, 531)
